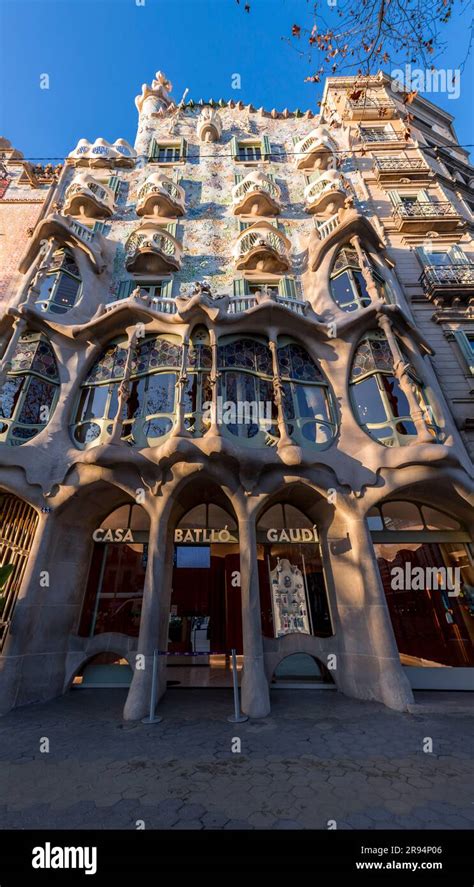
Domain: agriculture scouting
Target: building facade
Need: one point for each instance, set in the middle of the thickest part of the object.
(26, 192)
(237, 390)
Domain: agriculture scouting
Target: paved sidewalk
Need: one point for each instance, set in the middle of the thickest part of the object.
(318, 757)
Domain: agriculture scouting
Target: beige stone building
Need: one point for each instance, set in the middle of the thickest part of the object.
(237, 388)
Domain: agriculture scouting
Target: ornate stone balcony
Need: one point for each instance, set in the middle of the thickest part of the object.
(325, 194)
(63, 229)
(262, 247)
(86, 197)
(152, 250)
(102, 154)
(240, 304)
(368, 108)
(393, 170)
(420, 217)
(227, 304)
(209, 128)
(338, 229)
(160, 196)
(449, 282)
(315, 151)
(256, 195)
(380, 136)
(141, 298)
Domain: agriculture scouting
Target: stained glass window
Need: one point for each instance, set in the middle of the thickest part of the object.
(111, 365)
(380, 404)
(245, 391)
(308, 406)
(149, 410)
(246, 354)
(29, 393)
(61, 288)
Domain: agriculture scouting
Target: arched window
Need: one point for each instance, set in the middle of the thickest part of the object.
(307, 403)
(246, 390)
(149, 413)
(198, 390)
(348, 286)
(61, 288)
(30, 391)
(380, 405)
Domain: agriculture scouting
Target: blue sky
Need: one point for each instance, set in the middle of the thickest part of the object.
(97, 54)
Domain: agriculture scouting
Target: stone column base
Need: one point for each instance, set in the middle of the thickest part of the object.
(255, 693)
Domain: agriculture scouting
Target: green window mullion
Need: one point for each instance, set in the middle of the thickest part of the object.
(466, 350)
(395, 198)
(457, 255)
(422, 256)
(114, 183)
(423, 196)
(240, 287)
(266, 148)
(234, 147)
(183, 149)
(167, 289)
(287, 287)
(125, 288)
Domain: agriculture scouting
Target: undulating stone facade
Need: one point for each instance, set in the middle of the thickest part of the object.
(318, 268)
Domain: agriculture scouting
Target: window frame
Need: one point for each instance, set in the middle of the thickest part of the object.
(12, 422)
(46, 304)
(463, 338)
(135, 423)
(177, 146)
(391, 421)
(349, 268)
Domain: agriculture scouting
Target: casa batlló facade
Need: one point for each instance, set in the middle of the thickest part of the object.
(237, 387)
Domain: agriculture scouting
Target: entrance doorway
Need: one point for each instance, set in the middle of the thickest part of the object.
(205, 621)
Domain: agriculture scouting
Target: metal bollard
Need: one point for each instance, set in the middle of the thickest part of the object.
(152, 718)
(237, 717)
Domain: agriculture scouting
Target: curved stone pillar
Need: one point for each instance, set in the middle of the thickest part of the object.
(254, 689)
(46, 612)
(150, 636)
(369, 664)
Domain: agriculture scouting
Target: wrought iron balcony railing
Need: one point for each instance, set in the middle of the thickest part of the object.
(399, 163)
(423, 209)
(438, 277)
(380, 136)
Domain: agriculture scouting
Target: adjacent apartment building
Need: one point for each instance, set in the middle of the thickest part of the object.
(237, 407)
